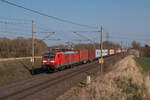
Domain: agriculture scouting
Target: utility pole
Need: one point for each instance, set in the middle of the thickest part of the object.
(126, 45)
(32, 47)
(107, 36)
(121, 44)
(101, 60)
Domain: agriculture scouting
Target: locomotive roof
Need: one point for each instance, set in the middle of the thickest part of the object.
(64, 52)
(68, 52)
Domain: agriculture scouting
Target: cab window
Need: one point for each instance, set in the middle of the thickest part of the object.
(49, 56)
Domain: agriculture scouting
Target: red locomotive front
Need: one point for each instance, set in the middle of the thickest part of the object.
(59, 60)
(48, 61)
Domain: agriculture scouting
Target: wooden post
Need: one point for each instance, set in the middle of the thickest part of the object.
(32, 61)
(101, 61)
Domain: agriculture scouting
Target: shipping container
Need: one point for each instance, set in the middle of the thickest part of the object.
(91, 54)
(108, 53)
(111, 51)
(83, 55)
(97, 53)
(115, 51)
(119, 50)
(104, 52)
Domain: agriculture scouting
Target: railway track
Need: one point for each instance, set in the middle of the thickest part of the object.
(49, 86)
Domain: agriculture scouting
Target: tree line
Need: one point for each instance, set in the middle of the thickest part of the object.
(106, 45)
(144, 50)
(20, 47)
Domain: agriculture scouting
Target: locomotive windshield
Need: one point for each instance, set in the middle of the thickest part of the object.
(49, 56)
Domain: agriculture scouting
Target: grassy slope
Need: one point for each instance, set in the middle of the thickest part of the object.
(123, 82)
(12, 70)
(144, 63)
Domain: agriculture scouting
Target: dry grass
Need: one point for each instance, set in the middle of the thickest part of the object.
(124, 82)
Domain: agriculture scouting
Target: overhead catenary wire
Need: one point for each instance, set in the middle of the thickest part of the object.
(131, 40)
(15, 32)
(131, 37)
(43, 14)
(21, 32)
(44, 30)
(142, 39)
(77, 31)
(15, 19)
(42, 27)
(46, 37)
(83, 36)
(85, 31)
(14, 35)
(130, 34)
(18, 31)
(8, 22)
(14, 28)
(57, 39)
(10, 26)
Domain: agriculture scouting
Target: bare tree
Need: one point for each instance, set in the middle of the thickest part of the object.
(135, 45)
(20, 47)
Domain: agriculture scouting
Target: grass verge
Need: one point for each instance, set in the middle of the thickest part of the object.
(13, 70)
(144, 63)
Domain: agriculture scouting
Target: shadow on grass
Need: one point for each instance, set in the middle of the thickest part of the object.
(37, 71)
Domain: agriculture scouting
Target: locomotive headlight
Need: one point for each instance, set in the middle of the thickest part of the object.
(44, 61)
(52, 61)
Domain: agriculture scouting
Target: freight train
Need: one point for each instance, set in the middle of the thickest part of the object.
(57, 60)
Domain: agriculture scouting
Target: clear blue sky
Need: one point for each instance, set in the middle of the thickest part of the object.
(125, 20)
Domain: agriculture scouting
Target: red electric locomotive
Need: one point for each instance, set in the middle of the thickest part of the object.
(57, 60)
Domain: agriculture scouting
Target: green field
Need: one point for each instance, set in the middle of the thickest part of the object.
(144, 63)
(13, 70)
